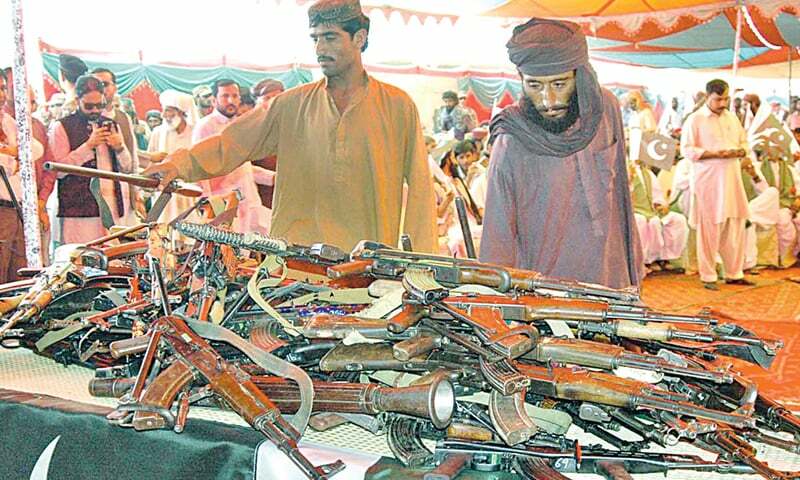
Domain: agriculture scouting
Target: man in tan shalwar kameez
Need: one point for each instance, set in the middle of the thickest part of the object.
(346, 145)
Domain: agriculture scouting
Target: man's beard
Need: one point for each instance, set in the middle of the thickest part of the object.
(224, 111)
(556, 125)
(90, 117)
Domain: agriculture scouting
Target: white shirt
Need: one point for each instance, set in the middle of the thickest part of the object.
(670, 120)
(165, 139)
(252, 214)
(716, 182)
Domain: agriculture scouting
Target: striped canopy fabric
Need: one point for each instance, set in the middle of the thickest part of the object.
(676, 33)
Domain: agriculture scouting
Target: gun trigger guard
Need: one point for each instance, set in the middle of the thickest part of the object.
(140, 407)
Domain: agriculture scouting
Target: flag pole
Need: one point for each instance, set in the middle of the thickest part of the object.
(30, 206)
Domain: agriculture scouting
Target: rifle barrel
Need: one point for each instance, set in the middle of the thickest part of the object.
(138, 180)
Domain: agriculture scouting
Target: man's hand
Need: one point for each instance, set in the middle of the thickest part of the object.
(97, 137)
(157, 157)
(733, 153)
(114, 138)
(166, 172)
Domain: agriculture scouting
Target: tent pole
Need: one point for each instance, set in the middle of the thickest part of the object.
(29, 202)
(790, 78)
(737, 45)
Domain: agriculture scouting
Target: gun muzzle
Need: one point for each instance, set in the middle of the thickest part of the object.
(110, 387)
(434, 401)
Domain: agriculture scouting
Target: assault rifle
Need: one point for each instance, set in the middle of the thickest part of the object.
(194, 357)
(136, 180)
(60, 277)
(434, 401)
(380, 261)
(628, 322)
(540, 463)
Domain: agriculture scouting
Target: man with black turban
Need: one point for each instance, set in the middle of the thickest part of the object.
(558, 199)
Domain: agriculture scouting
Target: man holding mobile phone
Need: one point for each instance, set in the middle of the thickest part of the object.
(88, 139)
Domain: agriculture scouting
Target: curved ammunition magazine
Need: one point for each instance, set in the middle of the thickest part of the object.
(405, 441)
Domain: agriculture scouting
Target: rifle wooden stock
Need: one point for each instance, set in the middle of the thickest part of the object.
(409, 316)
(434, 401)
(366, 356)
(415, 346)
(449, 468)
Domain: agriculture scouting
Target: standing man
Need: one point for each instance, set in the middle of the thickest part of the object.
(345, 145)
(12, 242)
(203, 100)
(252, 215)
(558, 199)
(452, 117)
(715, 141)
(267, 89)
(124, 125)
(670, 120)
(173, 134)
(88, 139)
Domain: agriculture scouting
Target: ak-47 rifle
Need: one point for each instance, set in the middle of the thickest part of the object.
(434, 401)
(58, 278)
(379, 261)
(194, 357)
(628, 322)
(543, 463)
(136, 180)
(605, 389)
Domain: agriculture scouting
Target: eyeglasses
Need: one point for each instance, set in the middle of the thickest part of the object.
(94, 106)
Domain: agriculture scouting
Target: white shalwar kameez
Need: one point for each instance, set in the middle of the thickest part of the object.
(719, 204)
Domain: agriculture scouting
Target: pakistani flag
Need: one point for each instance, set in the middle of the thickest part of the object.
(657, 150)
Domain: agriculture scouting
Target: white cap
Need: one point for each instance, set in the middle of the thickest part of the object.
(179, 100)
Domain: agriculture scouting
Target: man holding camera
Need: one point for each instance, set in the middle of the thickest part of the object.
(88, 139)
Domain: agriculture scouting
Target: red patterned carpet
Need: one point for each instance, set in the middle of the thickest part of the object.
(770, 309)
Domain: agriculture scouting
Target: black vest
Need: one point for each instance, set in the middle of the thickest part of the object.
(74, 197)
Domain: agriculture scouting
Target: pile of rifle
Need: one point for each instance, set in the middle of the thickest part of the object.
(492, 365)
